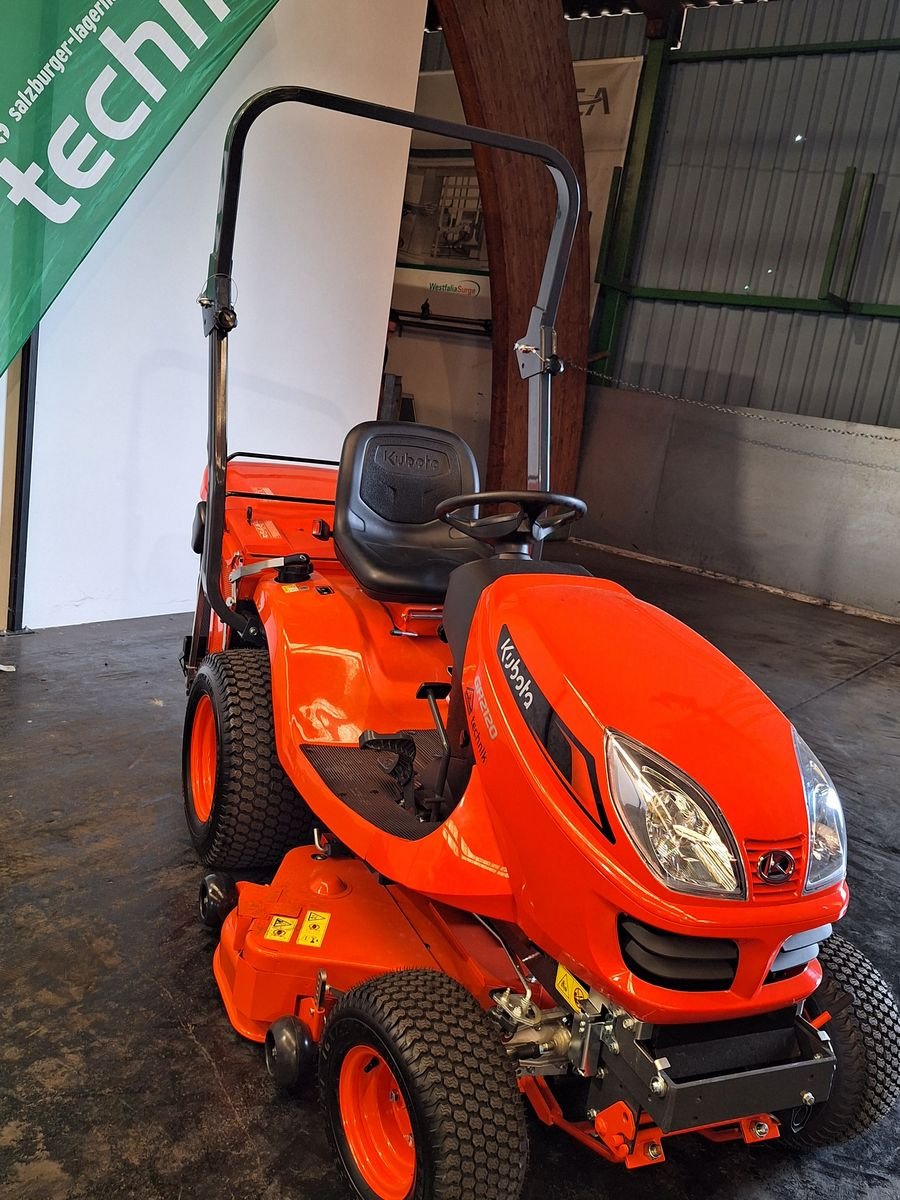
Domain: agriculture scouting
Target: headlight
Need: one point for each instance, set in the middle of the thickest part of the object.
(674, 825)
(827, 832)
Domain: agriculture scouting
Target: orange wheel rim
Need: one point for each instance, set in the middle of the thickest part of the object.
(203, 759)
(376, 1124)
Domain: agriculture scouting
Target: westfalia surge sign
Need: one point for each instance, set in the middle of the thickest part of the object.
(90, 94)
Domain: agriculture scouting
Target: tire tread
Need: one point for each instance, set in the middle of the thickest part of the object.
(463, 1077)
(258, 814)
(866, 1033)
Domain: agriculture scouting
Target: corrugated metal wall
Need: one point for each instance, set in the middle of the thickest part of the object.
(743, 198)
(845, 368)
(790, 23)
(750, 168)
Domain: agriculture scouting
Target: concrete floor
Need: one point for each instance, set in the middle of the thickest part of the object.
(119, 1073)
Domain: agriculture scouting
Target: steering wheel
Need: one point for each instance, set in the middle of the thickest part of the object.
(529, 520)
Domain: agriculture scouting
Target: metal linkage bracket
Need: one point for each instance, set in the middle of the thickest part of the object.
(676, 1105)
(216, 301)
(300, 561)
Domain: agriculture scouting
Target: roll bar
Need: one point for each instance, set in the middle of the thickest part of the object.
(535, 352)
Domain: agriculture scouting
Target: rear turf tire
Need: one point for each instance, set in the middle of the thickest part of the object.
(865, 1035)
(456, 1130)
(242, 811)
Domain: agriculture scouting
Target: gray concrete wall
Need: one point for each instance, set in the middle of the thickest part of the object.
(800, 503)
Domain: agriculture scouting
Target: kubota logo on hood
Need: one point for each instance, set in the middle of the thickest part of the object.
(511, 661)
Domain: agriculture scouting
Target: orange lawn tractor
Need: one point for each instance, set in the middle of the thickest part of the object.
(538, 841)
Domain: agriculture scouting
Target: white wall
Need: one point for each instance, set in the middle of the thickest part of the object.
(120, 434)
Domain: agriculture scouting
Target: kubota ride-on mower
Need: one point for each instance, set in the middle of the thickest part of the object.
(535, 836)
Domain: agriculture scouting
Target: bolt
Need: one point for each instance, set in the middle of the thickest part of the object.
(654, 1150)
(592, 1113)
(613, 1046)
(760, 1129)
(409, 1139)
(628, 1023)
(393, 1097)
(808, 1099)
(658, 1086)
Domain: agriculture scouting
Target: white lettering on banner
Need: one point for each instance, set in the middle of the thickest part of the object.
(118, 131)
(126, 54)
(69, 167)
(23, 186)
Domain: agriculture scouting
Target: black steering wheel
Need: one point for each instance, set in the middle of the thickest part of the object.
(530, 520)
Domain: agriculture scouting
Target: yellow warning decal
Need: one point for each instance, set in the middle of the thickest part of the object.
(312, 931)
(281, 929)
(289, 587)
(567, 985)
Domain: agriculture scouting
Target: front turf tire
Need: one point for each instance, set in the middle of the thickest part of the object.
(414, 1077)
(865, 1035)
(242, 810)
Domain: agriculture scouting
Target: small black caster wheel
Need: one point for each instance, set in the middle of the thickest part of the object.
(218, 896)
(290, 1053)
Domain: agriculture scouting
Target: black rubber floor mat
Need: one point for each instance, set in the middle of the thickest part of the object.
(362, 780)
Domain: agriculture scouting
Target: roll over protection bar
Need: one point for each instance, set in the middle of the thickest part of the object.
(535, 352)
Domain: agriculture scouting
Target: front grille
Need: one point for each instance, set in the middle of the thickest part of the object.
(759, 888)
(671, 960)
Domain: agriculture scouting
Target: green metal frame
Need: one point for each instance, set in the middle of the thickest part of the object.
(856, 239)
(753, 300)
(837, 234)
(623, 218)
(799, 50)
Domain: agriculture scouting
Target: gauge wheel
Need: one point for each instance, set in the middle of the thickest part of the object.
(420, 1097)
(864, 1028)
(242, 810)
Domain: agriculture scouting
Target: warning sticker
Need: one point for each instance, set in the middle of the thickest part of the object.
(570, 989)
(312, 931)
(289, 587)
(267, 529)
(280, 929)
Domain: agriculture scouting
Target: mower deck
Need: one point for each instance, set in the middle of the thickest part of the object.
(277, 938)
(337, 915)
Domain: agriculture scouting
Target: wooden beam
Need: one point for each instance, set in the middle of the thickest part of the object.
(513, 67)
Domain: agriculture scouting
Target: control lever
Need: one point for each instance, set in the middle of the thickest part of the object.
(432, 692)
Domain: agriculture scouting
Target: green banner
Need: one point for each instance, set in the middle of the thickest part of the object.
(90, 94)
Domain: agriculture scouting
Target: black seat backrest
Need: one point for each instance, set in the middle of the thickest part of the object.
(391, 478)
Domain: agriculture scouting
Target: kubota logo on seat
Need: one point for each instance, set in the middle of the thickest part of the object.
(519, 680)
(403, 458)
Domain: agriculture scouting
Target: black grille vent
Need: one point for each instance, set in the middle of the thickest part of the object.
(671, 960)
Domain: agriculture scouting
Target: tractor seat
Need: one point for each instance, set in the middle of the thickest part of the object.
(391, 477)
